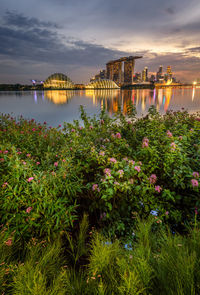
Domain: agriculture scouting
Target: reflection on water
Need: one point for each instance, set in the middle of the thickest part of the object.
(113, 99)
(58, 106)
(59, 97)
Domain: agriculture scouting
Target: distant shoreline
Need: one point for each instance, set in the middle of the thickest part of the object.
(19, 87)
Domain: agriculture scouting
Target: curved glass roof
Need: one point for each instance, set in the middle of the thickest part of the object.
(102, 84)
(58, 80)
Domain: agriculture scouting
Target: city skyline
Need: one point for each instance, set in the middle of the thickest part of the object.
(39, 38)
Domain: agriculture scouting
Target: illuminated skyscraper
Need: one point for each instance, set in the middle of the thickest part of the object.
(159, 75)
(145, 75)
(169, 73)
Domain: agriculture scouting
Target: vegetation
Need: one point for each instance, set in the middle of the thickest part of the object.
(100, 206)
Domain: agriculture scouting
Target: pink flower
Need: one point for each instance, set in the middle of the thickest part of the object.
(91, 127)
(194, 182)
(113, 135)
(64, 160)
(137, 168)
(180, 137)
(152, 178)
(28, 210)
(195, 174)
(121, 173)
(59, 125)
(112, 160)
(30, 179)
(5, 152)
(37, 163)
(167, 213)
(45, 123)
(19, 153)
(131, 162)
(24, 163)
(80, 128)
(158, 188)
(173, 146)
(102, 153)
(2, 159)
(73, 130)
(102, 122)
(56, 164)
(33, 129)
(107, 172)
(9, 242)
(5, 184)
(116, 183)
(145, 142)
(169, 134)
(28, 155)
(118, 135)
(95, 187)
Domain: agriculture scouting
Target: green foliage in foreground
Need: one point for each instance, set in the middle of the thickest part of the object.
(155, 262)
(114, 169)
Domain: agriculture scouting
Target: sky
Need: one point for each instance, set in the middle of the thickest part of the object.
(78, 37)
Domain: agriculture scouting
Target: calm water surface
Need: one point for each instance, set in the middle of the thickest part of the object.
(56, 107)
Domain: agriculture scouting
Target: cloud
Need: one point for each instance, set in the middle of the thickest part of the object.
(13, 18)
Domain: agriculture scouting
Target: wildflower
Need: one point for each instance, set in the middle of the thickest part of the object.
(196, 211)
(125, 159)
(93, 278)
(169, 134)
(28, 155)
(158, 188)
(28, 210)
(101, 153)
(64, 160)
(59, 125)
(56, 164)
(112, 160)
(154, 212)
(180, 137)
(118, 135)
(131, 180)
(91, 127)
(152, 178)
(80, 128)
(4, 184)
(137, 168)
(73, 130)
(45, 123)
(33, 129)
(19, 153)
(37, 163)
(113, 135)
(167, 213)
(195, 174)
(5, 152)
(107, 172)
(128, 247)
(30, 179)
(95, 187)
(191, 130)
(116, 183)
(24, 163)
(131, 162)
(9, 242)
(102, 122)
(194, 182)
(121, 173)
(145, 142)
(173, 146)
(2, 159)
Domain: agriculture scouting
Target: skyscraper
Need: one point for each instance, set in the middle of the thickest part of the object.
(159, 75)
(145, 75)
(169, 73)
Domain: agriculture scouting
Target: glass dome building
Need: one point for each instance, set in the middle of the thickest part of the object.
(58, 81)
(102, 84)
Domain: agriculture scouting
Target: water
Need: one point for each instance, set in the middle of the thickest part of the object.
(56, 107)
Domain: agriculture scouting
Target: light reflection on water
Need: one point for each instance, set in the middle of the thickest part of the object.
(55, 107)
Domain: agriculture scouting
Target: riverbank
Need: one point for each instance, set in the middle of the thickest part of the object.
(116, 174)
